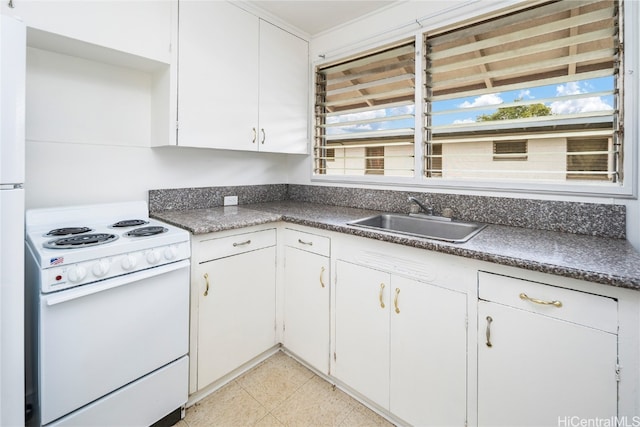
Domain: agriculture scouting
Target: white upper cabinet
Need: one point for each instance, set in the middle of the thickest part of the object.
(242, 82)
(217, 76)
(284, 88)
(141, 28)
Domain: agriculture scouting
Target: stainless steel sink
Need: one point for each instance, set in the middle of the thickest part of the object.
(422, 226)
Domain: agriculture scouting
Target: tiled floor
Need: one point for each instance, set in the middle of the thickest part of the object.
(280, 392)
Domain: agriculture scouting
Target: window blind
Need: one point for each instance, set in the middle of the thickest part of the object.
(546, 75)
(365, 103)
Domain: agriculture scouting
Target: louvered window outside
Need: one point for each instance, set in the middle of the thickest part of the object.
(365, 105)
(510, 151)
(374, 157)
(588, 159)
(547, 76)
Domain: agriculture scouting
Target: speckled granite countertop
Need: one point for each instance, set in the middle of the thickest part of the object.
(607, 261)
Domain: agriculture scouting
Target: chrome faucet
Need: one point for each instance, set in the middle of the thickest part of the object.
(427, 210)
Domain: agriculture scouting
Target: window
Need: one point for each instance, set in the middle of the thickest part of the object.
(364, 112)
(590, 159)
(509, 151)
(546, 76)
(374, 161)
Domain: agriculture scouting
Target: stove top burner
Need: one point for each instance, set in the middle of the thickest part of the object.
(81, 241)
(66, 231)
(146, 231)
(129, 223)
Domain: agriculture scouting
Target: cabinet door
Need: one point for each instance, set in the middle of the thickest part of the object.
(362, 330)
(428, 354)
(236, 317)
(284, 89)
(306, 307)
(217, 76)
(540, 370)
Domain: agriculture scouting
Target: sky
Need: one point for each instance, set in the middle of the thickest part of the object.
(492, 102)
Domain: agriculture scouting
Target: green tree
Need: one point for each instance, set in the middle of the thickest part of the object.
(517, 112)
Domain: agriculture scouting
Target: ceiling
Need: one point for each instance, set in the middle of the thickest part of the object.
(316, 16)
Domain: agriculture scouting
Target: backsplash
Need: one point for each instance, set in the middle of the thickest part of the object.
(579, 218)
(604, 220)
(211, 197)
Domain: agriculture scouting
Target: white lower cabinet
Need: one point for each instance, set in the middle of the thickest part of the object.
(402, 344)
(546, 355)
(235, 285)
(306, 302)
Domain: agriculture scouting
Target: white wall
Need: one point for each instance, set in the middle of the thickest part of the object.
(71, 174)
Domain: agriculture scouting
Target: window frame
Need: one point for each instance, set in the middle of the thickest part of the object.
(467, 14)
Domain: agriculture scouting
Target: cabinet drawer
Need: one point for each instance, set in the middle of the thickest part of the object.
(232, 245)
(573, 306)
(306, 241)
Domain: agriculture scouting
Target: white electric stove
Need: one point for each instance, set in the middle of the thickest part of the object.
(108, 301)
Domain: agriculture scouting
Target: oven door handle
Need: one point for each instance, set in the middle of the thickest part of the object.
(83, 291)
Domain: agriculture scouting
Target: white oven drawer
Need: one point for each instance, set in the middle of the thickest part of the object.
(95, 338)
(141, 403)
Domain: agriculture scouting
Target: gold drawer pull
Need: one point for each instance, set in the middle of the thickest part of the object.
(206, 278)
(248, 242)
(322, 274)
(395, 301)
(380, 296)
(489, 320)
(302, 242)
(525, 297)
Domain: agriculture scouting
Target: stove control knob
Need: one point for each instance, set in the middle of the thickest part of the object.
(101, 268)
(153, 257)
(76, 273)
(170, 253)
(129, 262)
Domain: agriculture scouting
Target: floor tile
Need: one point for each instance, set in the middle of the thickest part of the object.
(316, 403)
(280, 392)
(268, 421)
(361, 416)
(275, 380)
(229, 406)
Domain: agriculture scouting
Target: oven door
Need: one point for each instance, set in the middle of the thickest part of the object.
(97, 338)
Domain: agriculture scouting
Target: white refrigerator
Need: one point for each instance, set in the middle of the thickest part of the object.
(12, 114)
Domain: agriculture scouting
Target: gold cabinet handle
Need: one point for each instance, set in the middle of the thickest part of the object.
(264, 136)
(302, 242)
(525, 297)
(248, 242)
(321, 274)
(489, 320)
(255, 135)
(395, 301)
(206, 278)
(380, 296)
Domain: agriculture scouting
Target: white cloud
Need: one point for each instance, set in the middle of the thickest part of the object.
(462, 121)
(571, 88)
(573, 106)
(524, 94)
(366, 115)
(482, 100)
